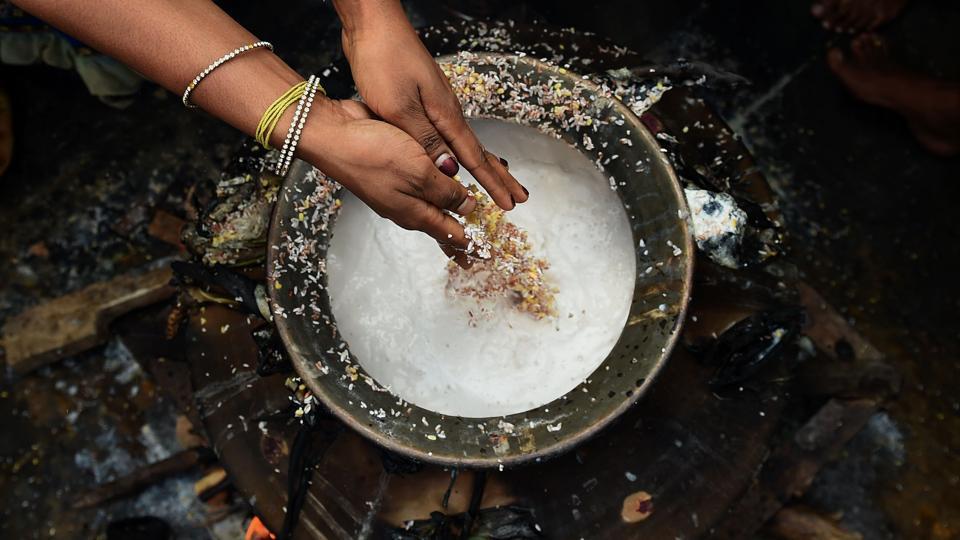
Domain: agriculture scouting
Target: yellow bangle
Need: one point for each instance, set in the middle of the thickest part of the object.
(268, 122)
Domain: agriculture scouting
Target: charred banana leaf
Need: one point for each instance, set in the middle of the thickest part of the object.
(232, 226)
(222, 285)
(751, 344)
(504, 523)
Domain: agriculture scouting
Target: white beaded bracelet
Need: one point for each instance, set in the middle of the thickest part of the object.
(296, 125)
(280, 169)
(219, 62)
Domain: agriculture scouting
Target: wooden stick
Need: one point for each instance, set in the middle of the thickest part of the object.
(79, 320)
(145, 477)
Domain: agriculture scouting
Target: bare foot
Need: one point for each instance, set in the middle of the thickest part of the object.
(854, 16)
(931, 107)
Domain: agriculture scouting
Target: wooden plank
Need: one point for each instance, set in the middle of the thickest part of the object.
(79, 320)
(829, 330)
(792, 467)
(167, 227)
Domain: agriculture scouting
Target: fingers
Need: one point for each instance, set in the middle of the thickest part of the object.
(493, 175)
(434, 119)
(413, 120)
(448, 194)
(445, 113)
(442, 227)
(475, 159)
(447, 231)
(447, 164)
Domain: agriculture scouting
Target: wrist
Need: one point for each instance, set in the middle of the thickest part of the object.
(318, 131)
(362, 16)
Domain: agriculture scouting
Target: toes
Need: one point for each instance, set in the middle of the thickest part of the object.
(876, 42)
(868, 50)
(828, 13)
(866, 46)
(884, 13)
(859, 17)
(841, 20)
(871, 46)
(867, 20)
(934, 143)
(837, 16)
(855, 16)
(858, 46)
(835, 59)
(846, 16)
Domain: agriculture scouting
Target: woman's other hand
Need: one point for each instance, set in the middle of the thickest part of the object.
(403, 85)
(388, 170)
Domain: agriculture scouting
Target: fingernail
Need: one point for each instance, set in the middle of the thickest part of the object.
(525, 192)
(447, 164)
(466, 206)
(504, 162)
(817, 10)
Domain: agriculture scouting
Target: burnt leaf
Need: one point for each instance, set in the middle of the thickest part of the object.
(220, 280)
(271, 355)
(503, 523)
(751, 344)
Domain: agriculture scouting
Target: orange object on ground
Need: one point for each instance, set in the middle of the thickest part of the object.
(258, 531)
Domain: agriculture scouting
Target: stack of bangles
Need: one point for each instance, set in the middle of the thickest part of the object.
(301, 93)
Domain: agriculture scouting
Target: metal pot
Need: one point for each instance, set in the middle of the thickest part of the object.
(647, 186)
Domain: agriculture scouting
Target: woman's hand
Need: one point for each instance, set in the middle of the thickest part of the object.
(403, 85)
(382, 164)
(388, 170)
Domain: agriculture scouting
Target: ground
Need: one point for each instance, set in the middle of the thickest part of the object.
(870, 213)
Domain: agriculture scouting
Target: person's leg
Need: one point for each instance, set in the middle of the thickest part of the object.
(931, 107)
(853, 16)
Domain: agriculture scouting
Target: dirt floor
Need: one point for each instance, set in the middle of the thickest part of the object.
(870, 213)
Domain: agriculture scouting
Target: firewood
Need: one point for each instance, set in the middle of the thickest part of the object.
(143, 478)
(72, 323)
(802, 523)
